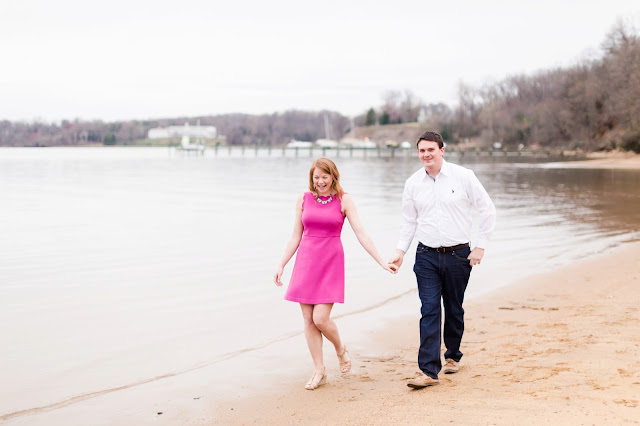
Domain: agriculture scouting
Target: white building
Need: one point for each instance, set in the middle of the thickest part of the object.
(179, 131)
(299, 144)
(358, 143)
(326, 143)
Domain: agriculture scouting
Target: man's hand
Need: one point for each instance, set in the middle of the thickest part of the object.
(475, 256)
(396, 259)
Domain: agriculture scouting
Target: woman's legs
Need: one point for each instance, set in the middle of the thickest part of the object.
(313, 336)
(317, 321)
(324, 323)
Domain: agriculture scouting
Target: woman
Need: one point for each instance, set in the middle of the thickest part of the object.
(317, 281)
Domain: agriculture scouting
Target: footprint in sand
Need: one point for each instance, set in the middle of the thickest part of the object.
(553, 325)
(540, 308)
(596, 386)
(624, 373)
(378, 358)
(627, 402)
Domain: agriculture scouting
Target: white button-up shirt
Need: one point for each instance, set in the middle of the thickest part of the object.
(439, 211)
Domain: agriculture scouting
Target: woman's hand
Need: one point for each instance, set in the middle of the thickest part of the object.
(396, 259)
(389, 267)
(277, 277)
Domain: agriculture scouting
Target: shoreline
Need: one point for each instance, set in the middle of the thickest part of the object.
(595, 160)
(603, 160)
(560, 347)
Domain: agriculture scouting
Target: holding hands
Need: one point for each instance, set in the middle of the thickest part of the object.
(389, 267)
(396, 260)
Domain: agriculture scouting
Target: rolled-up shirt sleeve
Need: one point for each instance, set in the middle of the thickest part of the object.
(409, 219)
(485, 209)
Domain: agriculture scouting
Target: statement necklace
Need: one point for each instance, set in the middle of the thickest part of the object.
(328, 200)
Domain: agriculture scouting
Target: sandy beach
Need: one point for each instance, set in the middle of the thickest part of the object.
(604, 160)
(560, 348)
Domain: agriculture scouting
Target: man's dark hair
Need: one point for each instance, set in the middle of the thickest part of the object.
(431, 136)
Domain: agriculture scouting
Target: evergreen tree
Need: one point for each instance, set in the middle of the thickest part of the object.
(371, 118)
(109, 139)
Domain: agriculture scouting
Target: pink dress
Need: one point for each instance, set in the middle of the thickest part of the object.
(318, 274)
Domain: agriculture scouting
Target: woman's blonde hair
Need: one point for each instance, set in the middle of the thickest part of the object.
(329, 167)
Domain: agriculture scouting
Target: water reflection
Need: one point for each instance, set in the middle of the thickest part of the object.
(607, 199)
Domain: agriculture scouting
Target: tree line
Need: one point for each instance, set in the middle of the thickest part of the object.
(592, 105)
(238, 129)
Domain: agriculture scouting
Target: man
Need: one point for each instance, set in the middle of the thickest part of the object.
(437, 206)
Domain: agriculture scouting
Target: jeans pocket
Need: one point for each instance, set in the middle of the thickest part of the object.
(461, 255)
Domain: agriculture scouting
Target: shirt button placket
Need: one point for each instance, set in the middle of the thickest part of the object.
(439, 214)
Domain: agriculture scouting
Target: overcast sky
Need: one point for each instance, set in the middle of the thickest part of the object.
(137, 59)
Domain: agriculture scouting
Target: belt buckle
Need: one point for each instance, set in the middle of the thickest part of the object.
(440, 250)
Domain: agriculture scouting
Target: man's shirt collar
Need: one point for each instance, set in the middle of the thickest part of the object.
(445, 170)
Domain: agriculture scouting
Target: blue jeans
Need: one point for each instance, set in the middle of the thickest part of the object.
(440, 276)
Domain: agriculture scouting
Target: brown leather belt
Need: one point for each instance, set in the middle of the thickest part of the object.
(443, 249)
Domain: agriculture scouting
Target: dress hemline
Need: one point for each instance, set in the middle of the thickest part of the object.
(308, 302)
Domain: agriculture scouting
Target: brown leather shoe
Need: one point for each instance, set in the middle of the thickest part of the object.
(422, 382)
(451, 366)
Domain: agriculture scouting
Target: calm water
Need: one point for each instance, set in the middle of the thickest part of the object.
(119, 257)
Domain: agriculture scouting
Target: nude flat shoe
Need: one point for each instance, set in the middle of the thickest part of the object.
(317, 380)
(345, 366)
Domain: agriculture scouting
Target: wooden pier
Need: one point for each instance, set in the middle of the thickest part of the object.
(384, 152)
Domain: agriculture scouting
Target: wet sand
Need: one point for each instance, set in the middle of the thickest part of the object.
(562, 348)
(604, 160)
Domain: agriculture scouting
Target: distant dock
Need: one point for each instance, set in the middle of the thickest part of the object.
(385, 152)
